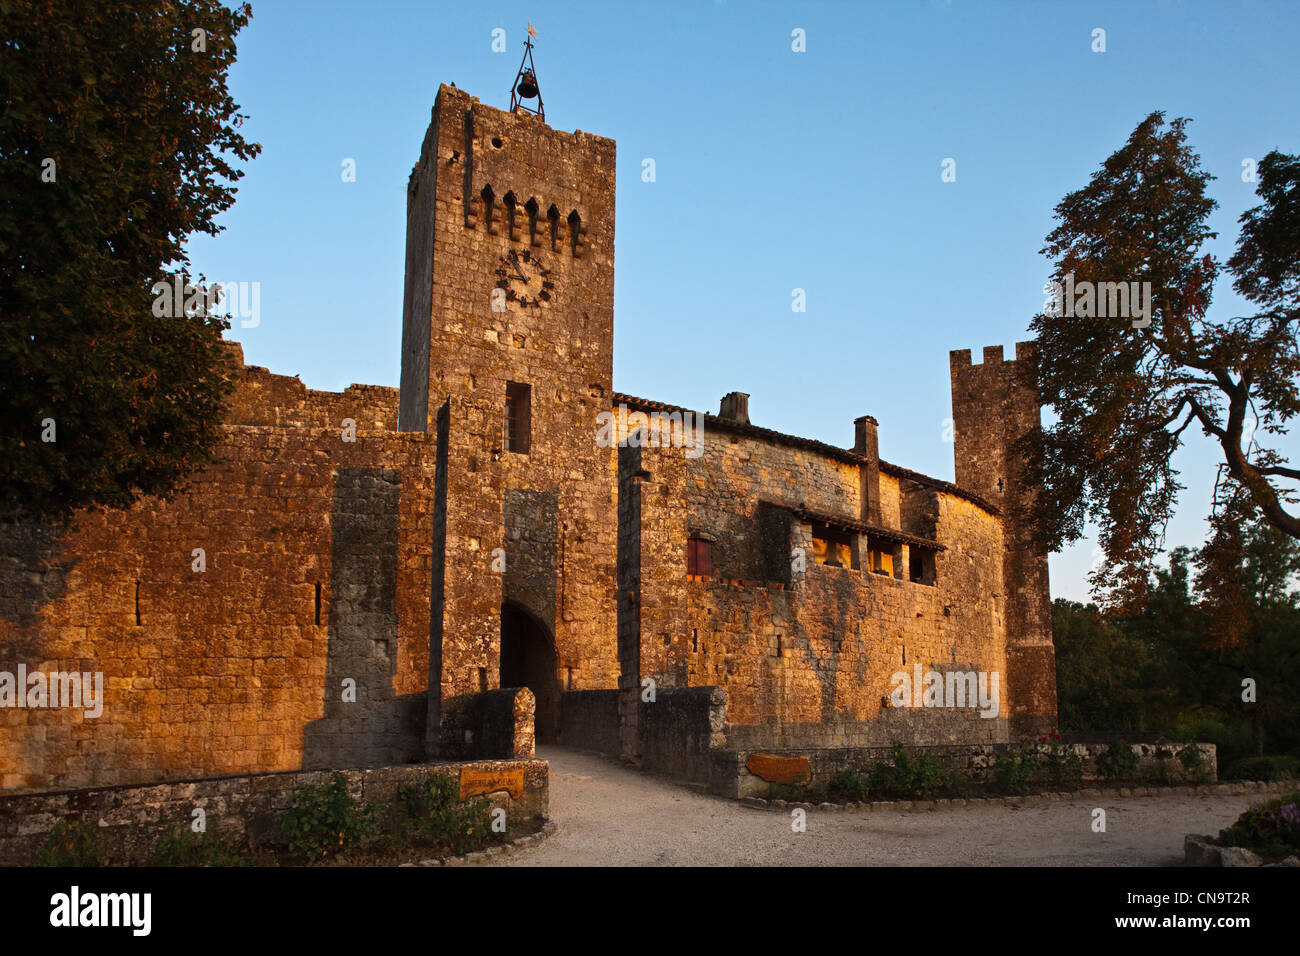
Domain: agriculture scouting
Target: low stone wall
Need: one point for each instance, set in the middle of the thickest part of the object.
(129, 819)
(729, 773)
(589, 720)
(681, 729)
(491, 725)
(934, 727)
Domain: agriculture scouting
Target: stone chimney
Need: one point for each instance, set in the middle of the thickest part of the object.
(735, 407)
(866, 444)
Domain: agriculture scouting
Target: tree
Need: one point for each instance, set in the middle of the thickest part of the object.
(1126, 391)
(1216, 615)
(1103, 672)
(116, 144)
(1246, 577)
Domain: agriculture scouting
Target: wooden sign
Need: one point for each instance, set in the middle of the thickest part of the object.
(777, 769)
(475, 782)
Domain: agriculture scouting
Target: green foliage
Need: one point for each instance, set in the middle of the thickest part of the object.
(910, 777)
(1196, 767)
(1264, 768)
(1060, 767)
(73, 843)
(326, 821)
(1162, 773)
(1272, 829)
(1232, 741)
(794, 792)
(187, 848)
(1176, 669)
(143, 135)
(1015, 770)
(849, 786)
(1101, 671)
(1049, 764)
(431, 814)
(1118, 761)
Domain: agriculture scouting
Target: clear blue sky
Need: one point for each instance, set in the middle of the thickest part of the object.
(775, 170)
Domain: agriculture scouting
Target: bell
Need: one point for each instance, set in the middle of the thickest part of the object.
(527, 87)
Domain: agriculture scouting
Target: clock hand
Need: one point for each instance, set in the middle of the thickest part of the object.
(519, 270)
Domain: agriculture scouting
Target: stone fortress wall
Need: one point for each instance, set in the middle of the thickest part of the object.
(378, 561)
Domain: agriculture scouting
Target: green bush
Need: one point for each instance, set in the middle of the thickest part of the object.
(1232, 742)
(72, 843)
(793, 792)
(1272, 829)
(849, 786)
(910, 777)
(1014, 770)
(1061, 767)
(326, 821)
(1195, 764)
(432, 814)
(187, 848)
(1118, 761)
(1264, 768)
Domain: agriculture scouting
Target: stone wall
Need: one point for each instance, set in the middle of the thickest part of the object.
(730, 775)
(589, 721)
(807, 655)
(493, 724)
(129, 819)
(303, 640)
(680, 729)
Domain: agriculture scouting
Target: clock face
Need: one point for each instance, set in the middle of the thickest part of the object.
(525, 278)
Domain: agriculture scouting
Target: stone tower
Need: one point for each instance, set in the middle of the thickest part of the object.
(993, 404)
(507, 352)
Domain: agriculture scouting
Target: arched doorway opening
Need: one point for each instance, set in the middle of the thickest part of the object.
(528, 660)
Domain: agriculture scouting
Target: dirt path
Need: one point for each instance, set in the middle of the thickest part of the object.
(610, 815)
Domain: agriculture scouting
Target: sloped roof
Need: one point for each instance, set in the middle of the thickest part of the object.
(794, 441)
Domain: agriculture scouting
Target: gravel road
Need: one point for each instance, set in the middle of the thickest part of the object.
(608, 814)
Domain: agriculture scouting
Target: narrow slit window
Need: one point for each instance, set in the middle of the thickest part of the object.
(318, 604)
(533, 209)
(512, 220)
(137, 604)
(518, 417)
(575, 230)
(553, 217)
(488, 198)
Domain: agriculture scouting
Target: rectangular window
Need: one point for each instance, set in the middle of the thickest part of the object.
(518, 417)
(880, 556)
(699, 557)
(832, 546)
(921, 566)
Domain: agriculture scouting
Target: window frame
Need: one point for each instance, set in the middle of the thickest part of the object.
(697, 548)
(517, 425)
